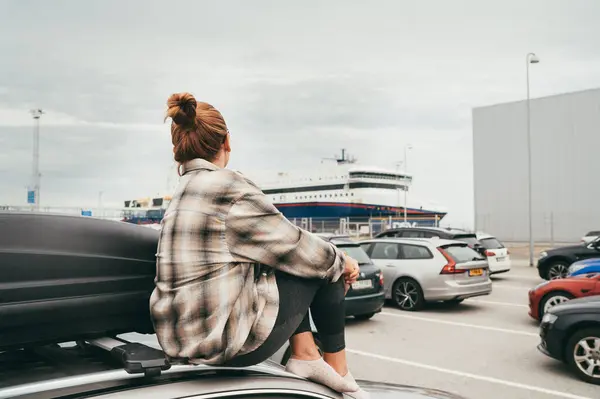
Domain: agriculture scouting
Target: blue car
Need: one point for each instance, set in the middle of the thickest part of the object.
(585, 266)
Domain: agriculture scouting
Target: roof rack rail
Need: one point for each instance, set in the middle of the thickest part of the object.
(136, 358)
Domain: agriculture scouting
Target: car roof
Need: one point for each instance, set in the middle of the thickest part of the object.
(442, 230)
(337, 239)
(483, 236)
(75, 369)
(437, 242)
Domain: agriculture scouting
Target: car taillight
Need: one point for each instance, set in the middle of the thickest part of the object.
(490, 253)
(381, 279)
(450, 267)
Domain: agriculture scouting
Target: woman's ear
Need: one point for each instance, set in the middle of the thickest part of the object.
(227, 144)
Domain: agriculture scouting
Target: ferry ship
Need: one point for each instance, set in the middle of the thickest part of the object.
(343, 189)
(338, 189)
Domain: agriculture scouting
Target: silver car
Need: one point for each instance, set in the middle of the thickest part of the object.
(420, 270)
(116, 368)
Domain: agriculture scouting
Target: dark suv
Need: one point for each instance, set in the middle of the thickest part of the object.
(431, 232)
(366, 296)
(554, 263)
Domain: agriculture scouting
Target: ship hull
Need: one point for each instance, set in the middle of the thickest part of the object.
(323, 210)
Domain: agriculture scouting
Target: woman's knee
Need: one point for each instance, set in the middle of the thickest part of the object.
(332, 294)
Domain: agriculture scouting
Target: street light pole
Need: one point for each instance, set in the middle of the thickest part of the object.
(530, 59)
(37, 114)
(398, 189)
(406, 148)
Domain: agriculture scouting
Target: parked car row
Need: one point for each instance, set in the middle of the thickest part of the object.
(590, 236)
(548, 294)
(554, 263)
(419, 268)
(487, 245)
(568, 306)
(570, 332)
(584, 267)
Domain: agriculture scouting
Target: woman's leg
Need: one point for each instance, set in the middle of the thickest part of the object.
(328, 312)
(329, 315)
(303, 343)
(295, 297)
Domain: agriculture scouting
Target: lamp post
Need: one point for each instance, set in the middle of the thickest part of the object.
(530, 59)
(398, 188)
(37, 114)
(406, 148)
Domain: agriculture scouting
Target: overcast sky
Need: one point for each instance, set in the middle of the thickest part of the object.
(295, 80)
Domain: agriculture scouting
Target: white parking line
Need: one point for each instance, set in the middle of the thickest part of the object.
(516, 305)
(516, 277)
(469, 375)
(512, 287)
(456, 323)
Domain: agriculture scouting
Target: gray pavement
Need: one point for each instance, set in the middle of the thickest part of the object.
(483, 348)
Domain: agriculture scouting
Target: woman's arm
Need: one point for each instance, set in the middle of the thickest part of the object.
(257, 232)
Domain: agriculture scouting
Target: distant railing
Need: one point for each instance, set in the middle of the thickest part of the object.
(356, 227)
(102, 213)
(362, 227)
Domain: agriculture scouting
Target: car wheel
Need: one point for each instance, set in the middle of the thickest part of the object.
(553, 299)
(583, 354)
(407, 294)
(364, 316)
(556, 270)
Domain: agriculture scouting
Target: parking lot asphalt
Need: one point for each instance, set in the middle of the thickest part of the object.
(482, 348)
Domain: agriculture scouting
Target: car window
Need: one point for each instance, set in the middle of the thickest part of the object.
(593, 234)
(387, 234)
(412, 234)
(471, 240)
(491, 243)
(366, 247)
(415, 252)
(462, 254)
(385, 250)
(356, 252)
(430, 234)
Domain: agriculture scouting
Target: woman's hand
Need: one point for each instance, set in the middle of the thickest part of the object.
(351, 270)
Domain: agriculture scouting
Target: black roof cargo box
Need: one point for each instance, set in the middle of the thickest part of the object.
(68, 278)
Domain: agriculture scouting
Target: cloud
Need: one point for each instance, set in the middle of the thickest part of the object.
(76, 162)
(295, 81)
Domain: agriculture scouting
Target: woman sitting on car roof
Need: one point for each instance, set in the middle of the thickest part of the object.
(235, 279)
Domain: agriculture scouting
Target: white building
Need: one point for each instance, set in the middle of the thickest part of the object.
(565, 158)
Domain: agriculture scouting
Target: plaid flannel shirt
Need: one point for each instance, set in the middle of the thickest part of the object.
(214, 297)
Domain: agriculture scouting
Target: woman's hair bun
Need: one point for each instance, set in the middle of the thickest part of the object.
(182, 109)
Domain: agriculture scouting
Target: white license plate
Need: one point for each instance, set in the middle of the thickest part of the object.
(501, 259)
(362, 284)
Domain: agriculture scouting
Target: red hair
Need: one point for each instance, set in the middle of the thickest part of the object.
(198, 130)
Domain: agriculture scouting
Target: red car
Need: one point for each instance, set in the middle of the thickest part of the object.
(549, 293)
